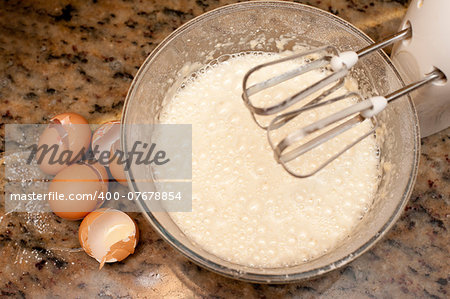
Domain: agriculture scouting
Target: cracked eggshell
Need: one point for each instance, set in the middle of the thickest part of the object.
(104, 137)
(108, 235)
(68, 131)
(81, 179)
(116, 168)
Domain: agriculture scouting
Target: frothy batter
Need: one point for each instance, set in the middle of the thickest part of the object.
(246, 209)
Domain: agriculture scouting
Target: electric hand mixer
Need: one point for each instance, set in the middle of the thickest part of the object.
(420, 29)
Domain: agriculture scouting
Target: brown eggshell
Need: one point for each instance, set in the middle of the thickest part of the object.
(121, 249)
(84, 229)
(104, 137)
(51, 137)
(79, 132)
(69, 118)
(70, 131)
(117, 251)
(115, 168)
(78, 180)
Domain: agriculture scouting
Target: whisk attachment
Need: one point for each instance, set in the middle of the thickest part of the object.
(336, 65)
(288, 149)
(327, 57)
(296, 143)
(320, 58)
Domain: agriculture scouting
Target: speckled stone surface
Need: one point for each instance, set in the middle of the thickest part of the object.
(81, 56)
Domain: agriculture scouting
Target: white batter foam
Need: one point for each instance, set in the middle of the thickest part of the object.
(246, 209)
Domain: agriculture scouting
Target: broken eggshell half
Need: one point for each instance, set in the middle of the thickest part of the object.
(103, 139)
(106, 139)
(69, 133)
(108, 235)
(116, 166)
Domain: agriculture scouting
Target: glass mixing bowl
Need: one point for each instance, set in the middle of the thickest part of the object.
(233, 29)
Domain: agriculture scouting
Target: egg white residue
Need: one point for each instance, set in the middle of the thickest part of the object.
(246, 208)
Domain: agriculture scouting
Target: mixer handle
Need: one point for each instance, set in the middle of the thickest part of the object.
(426, 50)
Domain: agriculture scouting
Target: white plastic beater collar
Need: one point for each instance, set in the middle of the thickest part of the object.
(378, 105)
(347, 59)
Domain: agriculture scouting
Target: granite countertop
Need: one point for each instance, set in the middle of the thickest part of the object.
(79, 56)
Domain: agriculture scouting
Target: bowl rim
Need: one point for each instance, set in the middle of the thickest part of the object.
(250, 276)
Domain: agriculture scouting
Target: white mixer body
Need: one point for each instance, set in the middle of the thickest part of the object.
(426, 50)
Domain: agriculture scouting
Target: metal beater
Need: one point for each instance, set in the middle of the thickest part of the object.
(338, 64)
